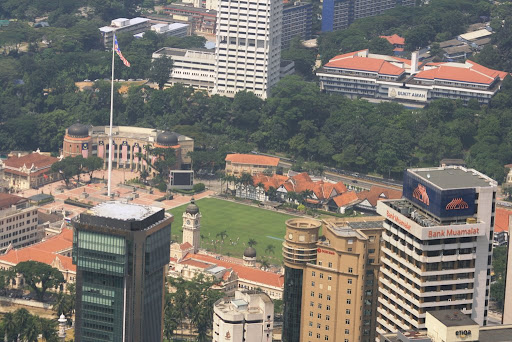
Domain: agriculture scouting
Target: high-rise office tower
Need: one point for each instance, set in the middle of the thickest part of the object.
(121, 253)
(299, 248)
(339, 14)
(248, 46)
(437, 247)
(340, 290)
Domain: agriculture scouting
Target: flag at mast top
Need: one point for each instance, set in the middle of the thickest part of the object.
(119, 53)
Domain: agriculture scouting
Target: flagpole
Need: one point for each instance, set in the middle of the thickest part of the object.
(109, 184)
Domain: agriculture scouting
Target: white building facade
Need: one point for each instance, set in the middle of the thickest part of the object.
(18, 222)
(248, 46)
(437, 247)
(247, 317)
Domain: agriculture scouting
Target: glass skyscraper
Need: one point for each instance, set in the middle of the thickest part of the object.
(121, 252)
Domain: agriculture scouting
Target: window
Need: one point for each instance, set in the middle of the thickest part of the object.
(320, 295)
(350, 241)
(311, 304)
(321, 276)
(371, 250)
(350, 249)
(347, 311)
(317, 335)
(327, 317)
(310, 333)
(328, 297)
(326, 327)
(311, 314)
(313, 273)
(349, 281)
(319, 315)
(319, 305)
(349, 291)
(312, 293)
(347, 332)
(372, 238)
(347, 321)
(326, 338)
(330, 264)
(312, 283)
(349, 301)
(350, 270)
(328, 307)
(329, 278)
(318, 326)
(310, 323)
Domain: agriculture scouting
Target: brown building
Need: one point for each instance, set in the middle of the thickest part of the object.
(340, 290)
(239, 163)
(128, 144)
(201, 19)
(29, 171)
(340, 284)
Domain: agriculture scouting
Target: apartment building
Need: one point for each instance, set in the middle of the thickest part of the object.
(192, 68)
(297, 21)
(375, 77)
(202, 20)
(340, 290)
(339, 14)
(123, 25)
(18, 222)
(437, 247)
(248, 316)
(248, 46)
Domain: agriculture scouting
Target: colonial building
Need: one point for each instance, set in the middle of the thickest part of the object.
(130, 145)
(238, 163)
(29, 171)
(375, 77)
(397, 42)
(248, 316)
(54, 251)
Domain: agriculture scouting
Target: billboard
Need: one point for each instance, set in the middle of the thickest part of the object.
(181, 179)
(408, 94)
(441, 203)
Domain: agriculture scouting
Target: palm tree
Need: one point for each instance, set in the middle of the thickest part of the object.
(48, 329)
(22, 317)
(272, 193)
(305, 195)
(10, 327)
(223, 234)
(270, 249)
(31, 331)
(264, 263)
(246, 180)
(252, 242)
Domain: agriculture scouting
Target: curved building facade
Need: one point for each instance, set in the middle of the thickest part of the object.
(128, 145)
(299, 248)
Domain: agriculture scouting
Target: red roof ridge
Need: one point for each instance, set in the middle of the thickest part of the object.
(241, 158)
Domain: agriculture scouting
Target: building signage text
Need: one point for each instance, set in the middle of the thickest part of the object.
(463, 333)
(319, 250)
(408, 94)
(453, 232)
(398, 220)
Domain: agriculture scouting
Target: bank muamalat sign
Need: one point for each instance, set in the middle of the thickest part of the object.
(408, 94)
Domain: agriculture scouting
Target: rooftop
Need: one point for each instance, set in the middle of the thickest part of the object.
(394, 39)
(252, 159)
(454, 177)
(452, 318)
(500, 333)
(8, 200)
(476, 34)
(35, 159)
(123, 211)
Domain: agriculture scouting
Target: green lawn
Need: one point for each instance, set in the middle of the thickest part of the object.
(241, 223)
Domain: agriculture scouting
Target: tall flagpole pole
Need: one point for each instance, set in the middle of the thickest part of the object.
(109, 184)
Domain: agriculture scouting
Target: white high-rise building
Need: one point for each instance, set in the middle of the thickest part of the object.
(248, 46)
(437, 247)
(249, 317)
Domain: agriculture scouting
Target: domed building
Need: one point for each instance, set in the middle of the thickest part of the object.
(250, 257)
(77, 141)
(128, 145)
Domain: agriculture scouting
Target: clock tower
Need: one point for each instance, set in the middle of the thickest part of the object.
(192, 225)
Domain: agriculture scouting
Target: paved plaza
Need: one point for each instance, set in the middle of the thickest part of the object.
(96, 193)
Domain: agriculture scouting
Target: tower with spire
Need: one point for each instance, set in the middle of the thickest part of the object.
(192, 225)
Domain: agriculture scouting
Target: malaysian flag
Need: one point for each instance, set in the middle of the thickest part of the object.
(119, 53)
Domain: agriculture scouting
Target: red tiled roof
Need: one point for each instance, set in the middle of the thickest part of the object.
(345, 198)
(195, 263)
(274, 181)
(340, 187)
(186, 245)
(252, 159)
(452, 73)
(37, 159)
(369, 64)
(501, 220)
(375, 192)
(44, 251)
(394, 39)
(244, 272)
(7, 200)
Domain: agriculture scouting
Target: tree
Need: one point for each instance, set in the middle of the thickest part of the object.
(91, 164)
(252, 242)
(39, 277)
(10, 327)
(270, 249)
(160, 71)
(48, 329)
